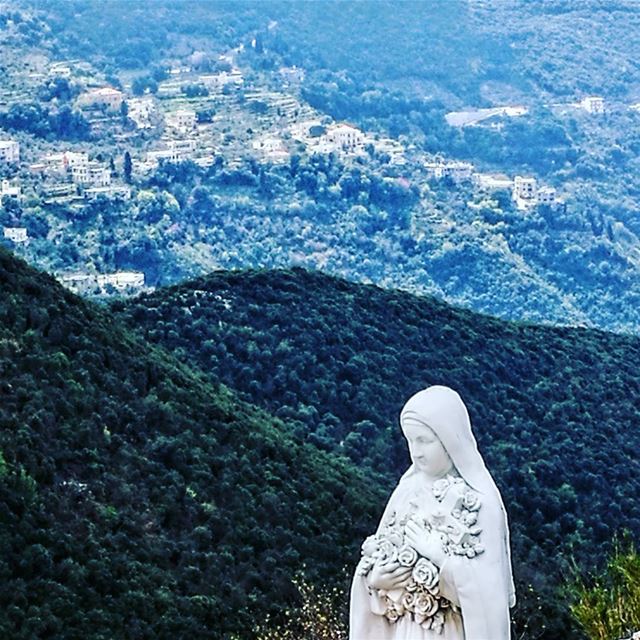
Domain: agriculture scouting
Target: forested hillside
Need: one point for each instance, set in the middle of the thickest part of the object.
(139, 499)
(556, 411)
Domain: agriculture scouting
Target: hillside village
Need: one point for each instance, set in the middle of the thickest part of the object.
(226, 155)
(223, 112)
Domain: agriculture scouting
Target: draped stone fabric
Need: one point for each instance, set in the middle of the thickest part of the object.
(479, 588)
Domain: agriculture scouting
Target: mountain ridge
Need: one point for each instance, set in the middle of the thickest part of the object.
(140, 499)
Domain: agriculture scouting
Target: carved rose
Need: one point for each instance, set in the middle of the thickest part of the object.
(408, 600)
(392, 616)
(436, 623)
(387, 552)
(440, 488)
(424, 606)
(364, 566)
(407, 556)
(370, 546)
(393, 611)
(471, 501)
(470, 518)
(425, 573)
(412, 585)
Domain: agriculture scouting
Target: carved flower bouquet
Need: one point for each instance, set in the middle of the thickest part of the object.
(420, 596)
(455, 521)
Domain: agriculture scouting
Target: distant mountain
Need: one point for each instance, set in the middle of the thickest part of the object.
(556, 410)
(139, 498)
(459, 50)
(466, 50)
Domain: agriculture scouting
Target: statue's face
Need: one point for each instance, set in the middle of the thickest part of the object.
(427, 453)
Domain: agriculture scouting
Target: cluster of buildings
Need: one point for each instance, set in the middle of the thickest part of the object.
(121, 281)
(527, 194)
(64, 172)
(78, 167)
(68, 175)
(343, 139)
(525, 191)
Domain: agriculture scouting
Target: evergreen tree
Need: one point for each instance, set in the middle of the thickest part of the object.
(127, 167)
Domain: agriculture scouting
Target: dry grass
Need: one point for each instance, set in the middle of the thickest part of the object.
(608, 606)
(319, 617)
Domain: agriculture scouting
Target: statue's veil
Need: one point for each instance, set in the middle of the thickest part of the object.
(442, 409)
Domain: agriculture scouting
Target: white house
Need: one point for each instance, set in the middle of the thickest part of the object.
(99, 175)
(91, 173)
(345, 137)
(525, 188)
(60, 70)
(176, 151)
(268, 145)
(59, 190)
(78, 282)
(183, 119)
(61, 162)
(80, 173)
(547, 196)
(593, 104)
(169, 89)
(456, 171)
(9, 189)
(37, 168)
(9, 151)
(235, 77)
(217, 81)
(107, 97)
(140, 110)
(272, 148)
(16, 234)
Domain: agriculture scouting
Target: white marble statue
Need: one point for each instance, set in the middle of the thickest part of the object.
(439, 565)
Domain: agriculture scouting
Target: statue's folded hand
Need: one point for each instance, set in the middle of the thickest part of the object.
(426, 543)
(388, 576)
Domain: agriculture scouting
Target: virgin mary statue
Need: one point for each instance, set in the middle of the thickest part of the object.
(439, 565)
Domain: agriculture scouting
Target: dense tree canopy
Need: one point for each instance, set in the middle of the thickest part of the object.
(138, 498)
(555, 410)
